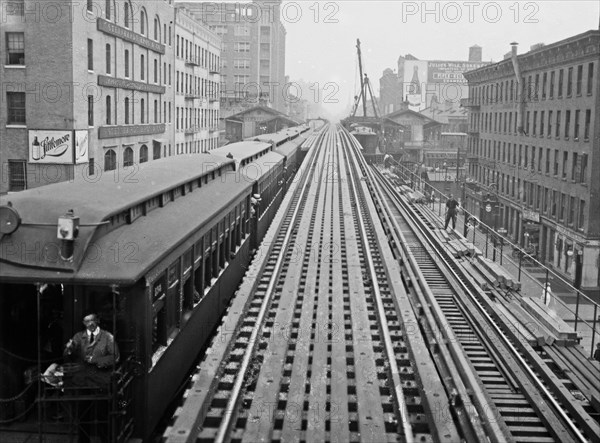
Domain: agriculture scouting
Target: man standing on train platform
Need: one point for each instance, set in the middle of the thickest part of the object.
(451, 211)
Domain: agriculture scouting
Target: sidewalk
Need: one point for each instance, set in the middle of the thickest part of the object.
(533, 278)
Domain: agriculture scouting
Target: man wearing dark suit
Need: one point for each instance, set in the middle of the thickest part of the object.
(96, 352)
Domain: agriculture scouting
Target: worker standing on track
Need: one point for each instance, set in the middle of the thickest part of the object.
(451, 211)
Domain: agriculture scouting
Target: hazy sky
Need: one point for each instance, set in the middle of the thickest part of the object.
(321, 36)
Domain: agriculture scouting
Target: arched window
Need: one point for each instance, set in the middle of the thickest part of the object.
(107, 9)
(156, 29)
(143, 22)
(143, 154)
(143, 111)
(127, 15)
(126, 61)
(126, 110)
(142, 67)
(128, 157)
(108, 110)
(110, 160)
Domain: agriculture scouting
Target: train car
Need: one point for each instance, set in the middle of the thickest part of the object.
(156, 252)
(256, 161)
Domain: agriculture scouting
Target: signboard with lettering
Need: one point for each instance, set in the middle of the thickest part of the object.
(48, 146)
(159, 287)
(450, 72)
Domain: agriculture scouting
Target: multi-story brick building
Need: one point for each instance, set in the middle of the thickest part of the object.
(253, 52)
(534, 141)
(197, 62)
(86, 88)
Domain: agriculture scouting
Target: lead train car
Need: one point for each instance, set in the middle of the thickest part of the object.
(158, 254)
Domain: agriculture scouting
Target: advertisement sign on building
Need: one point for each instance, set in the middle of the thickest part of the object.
(444, 80)
(58, 147)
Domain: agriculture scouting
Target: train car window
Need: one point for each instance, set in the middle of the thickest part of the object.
(174, 301)
(198, 252)
(159, 312)
(187, 262)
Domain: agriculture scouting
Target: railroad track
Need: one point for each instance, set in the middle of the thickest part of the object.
(525, 405)
(340, 333)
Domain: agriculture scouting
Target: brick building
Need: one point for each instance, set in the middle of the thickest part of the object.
(534, 142)
(197, 62)
(253, 52)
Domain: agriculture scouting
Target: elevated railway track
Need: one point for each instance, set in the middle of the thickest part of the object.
(354, 324)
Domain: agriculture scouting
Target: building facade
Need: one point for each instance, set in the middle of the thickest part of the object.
(86, 88)
(534, 143)
(197, 62)
(252, 52)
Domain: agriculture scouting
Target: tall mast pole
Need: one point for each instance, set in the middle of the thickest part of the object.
(362, 83)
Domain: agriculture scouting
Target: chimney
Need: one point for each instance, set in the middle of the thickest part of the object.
(475, 53)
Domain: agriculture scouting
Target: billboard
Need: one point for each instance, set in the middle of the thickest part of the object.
(444, 80)
(58, 147)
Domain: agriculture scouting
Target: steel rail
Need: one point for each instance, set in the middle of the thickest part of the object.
(530, 372)
(233, 400)
(402, 407)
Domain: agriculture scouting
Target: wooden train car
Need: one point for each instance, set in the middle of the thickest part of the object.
(156, 252)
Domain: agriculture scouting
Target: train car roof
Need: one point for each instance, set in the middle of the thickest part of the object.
(242, 150)
(261, 166)
(33, 249)
(288, 147)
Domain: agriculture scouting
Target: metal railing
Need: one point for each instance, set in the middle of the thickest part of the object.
(520, 259)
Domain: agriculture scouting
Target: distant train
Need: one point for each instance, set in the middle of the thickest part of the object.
(157, 253)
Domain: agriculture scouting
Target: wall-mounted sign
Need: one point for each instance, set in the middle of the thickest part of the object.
(81, 147)
(59, 147)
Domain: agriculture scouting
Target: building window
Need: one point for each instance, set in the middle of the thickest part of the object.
(544, 83)
(15, 102)
(556, 162)
(108, 61)
(142, 67)
(560, 83)
(155, 111)
(581, 218)
(574, 166)
(90, 54)
(571, 210)
(110, 160)
(91, 167)
(564, 163)
(142, 22)
(586, 130)
(143, 111)
(583, 169)
(576, 129)
(143, 154)
(156, 151)
(90, 5)
(542, 123)
(126, 62)
(579, 79)
(17, 175)
(170, 31)
(15, 48)
(156, 29)
(126, 110)
(551, 85)
(165, 34)
(127, 15)
(241, 47)
(570, 82)
(155, 71)
(557, 133)
(90, 110)
(590, 78)
(549, 123)
(128, 157)
(567, 124)
(107, 9)
(108, 110)
(534, 122)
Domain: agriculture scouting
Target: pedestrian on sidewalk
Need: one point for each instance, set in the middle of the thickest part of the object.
(451, 212)
(547, 297)
(597, 352)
